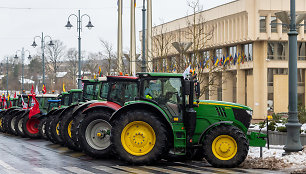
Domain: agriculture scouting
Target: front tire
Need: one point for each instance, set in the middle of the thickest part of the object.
(225, 146)
(139, 137)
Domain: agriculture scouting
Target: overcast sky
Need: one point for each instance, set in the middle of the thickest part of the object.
(21, 20)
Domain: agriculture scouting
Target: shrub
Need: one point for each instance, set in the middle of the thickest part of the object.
(277, 117)
(302, 114)
(272, 126)
(281, 129)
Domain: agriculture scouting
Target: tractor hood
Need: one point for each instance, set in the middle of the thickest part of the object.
(222, 103)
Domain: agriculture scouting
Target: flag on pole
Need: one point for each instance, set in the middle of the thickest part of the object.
(4, 102)
(100, 72)
(216, 61)
(44, 90)
(24, 105)
(64, 90)
(187, 71)
(36, 90)
(15, 95)
(35, 109)
(32, 90)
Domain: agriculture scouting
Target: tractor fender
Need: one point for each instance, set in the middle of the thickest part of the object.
(145, 106)
(79, 109)
(212, 125)
(105, 105)
(68, 109)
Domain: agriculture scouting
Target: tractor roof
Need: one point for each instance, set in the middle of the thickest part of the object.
(63, 93)
(54, 101)
(76, 90)
(123, 78)
(156, 74)
(100, 79)
(47, 95)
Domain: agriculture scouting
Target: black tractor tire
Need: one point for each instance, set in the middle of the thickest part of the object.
(48, 129)
(42, 128)
(6, 120)
(234, 159)
(74, 129)
(30, 127)
(150, 121)
(90, 142)
(1, 121)
(11, 124)
(54, 129)
(65, 131)
(19, 124)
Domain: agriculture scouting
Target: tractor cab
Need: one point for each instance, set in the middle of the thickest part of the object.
(43, 101)
(91, 88)
(75, 96)
(53, 104)
(64, 99)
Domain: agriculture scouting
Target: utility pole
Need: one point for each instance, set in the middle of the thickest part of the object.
(119, 46)
(6, 76)
(133, 40)
(149, 36)
(144, 67)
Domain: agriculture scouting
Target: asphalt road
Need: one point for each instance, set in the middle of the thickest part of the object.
(22, 155)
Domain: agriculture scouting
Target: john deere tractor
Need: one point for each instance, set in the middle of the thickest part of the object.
(167, 119)
(91, 129)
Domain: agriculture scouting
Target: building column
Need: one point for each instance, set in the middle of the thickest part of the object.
(227, 86)
(268, 26)
(260, 80)
(240, 90)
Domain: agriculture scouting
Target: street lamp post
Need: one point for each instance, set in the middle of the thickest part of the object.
(79, 29)
(293, 143)
(43, 45)
(22, 51)
(144, 67)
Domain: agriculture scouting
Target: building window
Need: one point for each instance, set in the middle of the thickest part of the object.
(304, 26)
(248, 52)
(301, 51)
(263, 25)
(218, 53)
(232, 51)
(277, 50)
(155, 65)
(273, 24)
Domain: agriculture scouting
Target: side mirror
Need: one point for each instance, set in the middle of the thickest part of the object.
(198, 89)
(187, 87)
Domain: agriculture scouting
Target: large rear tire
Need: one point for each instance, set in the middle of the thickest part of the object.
(94, 134)
(30, 127)
(54, 129)
(65, 130)
(139, 137)
(12, 123)
(42, 128)
(48, 129)
(19, 125)
(225, 146)
(74, 129)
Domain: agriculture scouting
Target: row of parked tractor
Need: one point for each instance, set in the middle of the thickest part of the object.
(139, 120)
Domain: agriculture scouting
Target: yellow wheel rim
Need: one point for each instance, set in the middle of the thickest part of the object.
(69, 128)
(224, 147)
(0, 122)
(138, 138)
(57, 129)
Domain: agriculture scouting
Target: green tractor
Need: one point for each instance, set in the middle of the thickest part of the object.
(90, 120)
(30, 125)
(52, 128)
(167, 119)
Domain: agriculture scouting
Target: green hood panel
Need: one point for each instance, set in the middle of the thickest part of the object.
(222, 103)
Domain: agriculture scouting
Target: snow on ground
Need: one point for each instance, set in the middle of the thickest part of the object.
(273, 159)
(255, 127)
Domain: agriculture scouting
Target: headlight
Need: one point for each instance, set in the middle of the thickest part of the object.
(250, 112)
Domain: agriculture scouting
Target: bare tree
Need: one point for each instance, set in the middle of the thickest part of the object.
(72, 61)
(110, 56)
(92, 64)
(162, 41)
(54, 55)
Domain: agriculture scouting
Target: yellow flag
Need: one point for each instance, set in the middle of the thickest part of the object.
(8, 96)
(64, 90)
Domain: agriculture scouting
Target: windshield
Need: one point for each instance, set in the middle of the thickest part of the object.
(65, 100)
(52, 105)
(122, 92)
(104, 90)
(76, 96)
(167, 92)
(90, 91)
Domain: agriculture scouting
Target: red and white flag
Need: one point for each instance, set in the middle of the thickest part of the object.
(32, 90)
(24, 105)
(35, 109)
